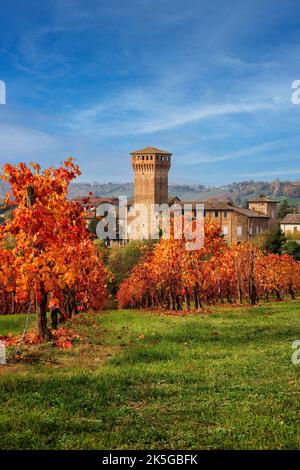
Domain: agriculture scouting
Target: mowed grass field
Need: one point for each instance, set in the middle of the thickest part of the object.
(141, 380)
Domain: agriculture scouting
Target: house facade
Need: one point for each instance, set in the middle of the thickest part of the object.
(290, 223)
(151, 167)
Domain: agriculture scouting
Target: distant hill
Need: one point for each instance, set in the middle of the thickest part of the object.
(4, 188)
(237, 192)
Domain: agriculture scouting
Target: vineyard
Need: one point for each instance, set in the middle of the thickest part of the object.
(47, 260)
(178, 381)
(171, 277)
(50, 263)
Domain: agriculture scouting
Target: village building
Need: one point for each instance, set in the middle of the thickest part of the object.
(151, 168)
(290, 223)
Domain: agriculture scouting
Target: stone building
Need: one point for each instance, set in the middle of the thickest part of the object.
(290, 223)
(90, 204)
(237, 224)
(151, 167)
(265, 206)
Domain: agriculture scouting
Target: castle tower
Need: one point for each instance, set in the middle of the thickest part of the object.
(151, 167)
(267, 207)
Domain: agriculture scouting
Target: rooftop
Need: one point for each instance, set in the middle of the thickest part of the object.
(224, 206)
(150, 151)
(262, 199)
(291, 219)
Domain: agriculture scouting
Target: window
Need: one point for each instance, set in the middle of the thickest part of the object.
(216, 214)
(239, 230)
(251, 230)
(225, 214)
(295, 229)
(225, 230)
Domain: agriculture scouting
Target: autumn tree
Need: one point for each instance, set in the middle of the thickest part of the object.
(171, 277)
(56, 265)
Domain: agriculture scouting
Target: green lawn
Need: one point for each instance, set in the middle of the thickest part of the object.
(141, 380)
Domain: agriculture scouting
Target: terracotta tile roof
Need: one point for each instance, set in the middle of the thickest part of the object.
(150, 150)
(224, 206)
(209, 205)
(291, 219)
(262, 199)
(249, 213)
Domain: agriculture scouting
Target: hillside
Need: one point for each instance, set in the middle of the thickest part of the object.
(238, 192)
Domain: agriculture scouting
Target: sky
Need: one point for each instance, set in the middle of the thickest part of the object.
(208, 80)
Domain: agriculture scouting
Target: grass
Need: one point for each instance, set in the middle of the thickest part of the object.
(140, 380)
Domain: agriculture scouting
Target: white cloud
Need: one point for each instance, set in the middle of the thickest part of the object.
(264, 148)
(20, 143)
(139, 113)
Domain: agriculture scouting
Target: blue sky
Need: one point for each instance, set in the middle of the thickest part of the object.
(208, 80)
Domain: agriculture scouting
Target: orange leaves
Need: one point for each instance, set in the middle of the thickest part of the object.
(52, 250)
(30, 338)
(36, 166)
(53, 303)
(171, 277)
(64, 338)
(166, 275)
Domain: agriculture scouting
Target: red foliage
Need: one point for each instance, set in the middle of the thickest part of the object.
(52, 262)
(171, 276)
(63, 338)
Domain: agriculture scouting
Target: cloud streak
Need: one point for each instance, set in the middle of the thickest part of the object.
(135, 116)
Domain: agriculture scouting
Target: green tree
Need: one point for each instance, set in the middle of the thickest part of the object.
(292, 248)
(274, 241)
(284, 209)
(121, 260)
(102, 249)
(93, 225)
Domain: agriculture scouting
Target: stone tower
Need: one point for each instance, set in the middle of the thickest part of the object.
(267, 207)
(151, 167)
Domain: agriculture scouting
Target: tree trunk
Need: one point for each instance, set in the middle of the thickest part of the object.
(54, 318)
(197, 297)
(252, 286)
(188, 300)
(178, 303)
(43, 330)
